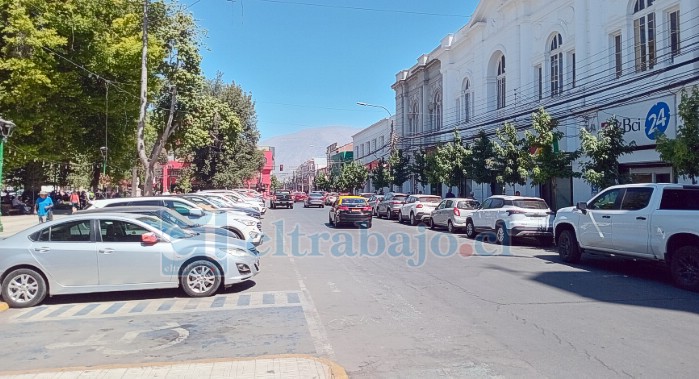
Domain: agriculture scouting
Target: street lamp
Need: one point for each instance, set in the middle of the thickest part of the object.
(375, 106)
(104, 151)
(6, 128)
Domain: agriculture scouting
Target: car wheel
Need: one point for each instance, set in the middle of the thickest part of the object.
(501, 237)
(470, 229)
(389, 214)
(23, 288)
(400, 217)
(200, 279)
(330, 220)
(431, 223)
(412, 219)
(368, 224)
(450, 227)
(568, 248)
(684, 268)
(322, 206)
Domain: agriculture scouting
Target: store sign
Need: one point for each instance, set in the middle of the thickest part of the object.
(643, 121)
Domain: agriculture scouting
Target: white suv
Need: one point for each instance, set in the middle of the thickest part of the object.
(512, 216)
(417, 208)
(245, 227)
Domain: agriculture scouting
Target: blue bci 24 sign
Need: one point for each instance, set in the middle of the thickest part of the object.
(657, 119)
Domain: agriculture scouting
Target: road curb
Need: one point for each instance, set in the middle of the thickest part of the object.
(336, 371)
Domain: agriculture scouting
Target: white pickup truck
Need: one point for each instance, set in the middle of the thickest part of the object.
(643, 221)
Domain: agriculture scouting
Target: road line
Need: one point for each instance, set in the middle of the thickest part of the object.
(315, 325)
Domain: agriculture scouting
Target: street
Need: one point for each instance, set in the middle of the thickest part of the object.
(393, 301)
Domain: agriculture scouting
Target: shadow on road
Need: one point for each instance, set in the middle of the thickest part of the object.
(620, 280)
(140, 295)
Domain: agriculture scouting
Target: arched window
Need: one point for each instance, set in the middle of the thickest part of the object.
(556, 65)
(466, 99)
(644, 34)
(413, 118)
(501, 85)
(436, 111)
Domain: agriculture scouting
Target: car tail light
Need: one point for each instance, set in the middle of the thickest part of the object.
(418, 206)
(368, 209)
(515, 212)
(343, 208)
(457, 212)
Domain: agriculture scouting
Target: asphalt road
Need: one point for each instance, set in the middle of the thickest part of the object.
(391, 301)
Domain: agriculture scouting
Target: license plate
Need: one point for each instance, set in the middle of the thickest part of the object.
(356, 210)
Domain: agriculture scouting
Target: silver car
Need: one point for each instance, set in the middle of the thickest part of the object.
(314, 200)
(116, 252)
(452, 213)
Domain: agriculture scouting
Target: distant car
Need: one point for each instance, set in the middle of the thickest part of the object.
(299, 196)
(452, 213)
(374, 202)
(390, 206)
(330, 198)
(212, 201)
(281, 199)
(417, 208)
(314, 200)
(105, 252)
(350, 210)
(512, 216)
(366, 195)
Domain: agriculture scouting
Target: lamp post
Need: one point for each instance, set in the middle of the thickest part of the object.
(6, 129)
(104, 151)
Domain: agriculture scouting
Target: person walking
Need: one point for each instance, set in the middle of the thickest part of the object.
(75, 201)
(43, 206)
(450, 195)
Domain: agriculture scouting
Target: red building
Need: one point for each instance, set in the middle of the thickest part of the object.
(263, 181)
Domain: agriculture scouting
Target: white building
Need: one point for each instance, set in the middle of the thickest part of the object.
(371, 145)
(584, 61)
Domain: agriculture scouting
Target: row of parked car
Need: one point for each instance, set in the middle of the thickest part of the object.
(199, 242)
(656, 222)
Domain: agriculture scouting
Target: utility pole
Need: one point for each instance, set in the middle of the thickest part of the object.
(140, 144)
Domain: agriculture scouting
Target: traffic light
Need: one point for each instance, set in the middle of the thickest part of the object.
(281, 167)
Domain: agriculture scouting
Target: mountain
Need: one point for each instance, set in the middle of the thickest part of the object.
(295, 148)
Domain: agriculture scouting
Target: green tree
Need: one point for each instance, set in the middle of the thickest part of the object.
(683, 152)
(399, 169)
(512, 157)
(546, 161)
(421, 168)
(274, 184)
(603, 150)
(451, 161)
(380, 175)
(353, 177)
(322, 182)
(483, 161)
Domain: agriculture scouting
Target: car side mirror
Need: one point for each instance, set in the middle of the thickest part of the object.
(149, 238)
(581, 206)
(196, 212)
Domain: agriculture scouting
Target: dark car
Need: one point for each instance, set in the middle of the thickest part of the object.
(390, 206)
(314, 200)
(350, 210)
(281, 199)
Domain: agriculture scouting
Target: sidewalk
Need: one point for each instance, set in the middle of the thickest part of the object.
(270, 367)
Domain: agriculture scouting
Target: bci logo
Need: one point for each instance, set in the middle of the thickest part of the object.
(627, 125)
(656, 122)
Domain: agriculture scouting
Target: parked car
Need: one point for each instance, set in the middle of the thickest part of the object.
(389, 207)
(452, 213)
(374, 202)
(103, 252)
(256, 203)
(417, 208)
(281, 199)
(658, 222)
(299, 196)
(211, 201)
(512, 216)
(314, 200)
(350, 209)
(244, 226)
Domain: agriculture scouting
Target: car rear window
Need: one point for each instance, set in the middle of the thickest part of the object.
(681, 199)
(353, 201)
(467, 204)
(316, 195)
(400, 197)
(530, 204)
(429, 199)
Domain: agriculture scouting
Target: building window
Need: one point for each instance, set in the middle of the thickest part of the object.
(556, 65)
(618, 70)
(501, 85)
(356, 152)
(381, 143)
(467, 98)
(362, 150)
(571, 68)
(538, 73)
(368, 148)
(436, 111)
(644, 35)
(373, 145)
(413, 118)
(458, 111)
(674, 32)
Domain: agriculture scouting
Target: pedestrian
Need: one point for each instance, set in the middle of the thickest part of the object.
(43, 207)
(83, 200)
(450, 194)
(75, 201)
(517, 193)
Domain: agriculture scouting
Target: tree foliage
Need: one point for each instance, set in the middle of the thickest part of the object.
(380, 175)
(683, 152)
(353, 177)
(546, 161)
(603, 150)
(322, 182)
(511, 155)
(274, 184)
(482, 165)
(399, 167)
(420, 167)
(450, 162)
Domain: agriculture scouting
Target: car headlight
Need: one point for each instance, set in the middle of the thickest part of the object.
(247, 222)
(236, 252)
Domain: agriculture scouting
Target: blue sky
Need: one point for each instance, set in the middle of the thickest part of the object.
(307, 62)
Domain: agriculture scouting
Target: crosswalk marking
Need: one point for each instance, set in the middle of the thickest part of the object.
(248, 300)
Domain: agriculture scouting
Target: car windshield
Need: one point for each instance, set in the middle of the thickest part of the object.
(172, 230)
(217, 201)
(530, 204)
(176, 219)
